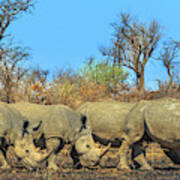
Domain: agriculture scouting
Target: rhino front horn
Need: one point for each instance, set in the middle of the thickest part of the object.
(105, 150)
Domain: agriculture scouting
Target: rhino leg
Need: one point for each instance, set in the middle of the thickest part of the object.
(123, 153)
(138, 156)
(54, 145)
(51, 163)
(142, 162)
(4, 164)
(174, 155)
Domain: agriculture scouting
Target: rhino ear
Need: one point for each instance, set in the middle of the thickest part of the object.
(37, 126)
(25, 126)
(83, 121)
(37, 130)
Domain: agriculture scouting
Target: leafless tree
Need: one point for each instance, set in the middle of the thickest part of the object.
(11, 56)
(10, 10)
(133, 45)
(168, 56)
(11, 69)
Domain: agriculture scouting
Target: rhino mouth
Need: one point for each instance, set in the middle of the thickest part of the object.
(18, 162)
(28, 166)
(33, 165)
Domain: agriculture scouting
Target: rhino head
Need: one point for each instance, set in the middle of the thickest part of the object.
(88, 151)
(29, 155)
(25, 149)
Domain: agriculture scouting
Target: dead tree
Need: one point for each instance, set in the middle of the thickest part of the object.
(11, 69)
(133, 45)
(168, 56)
(11, 56)
(10, 10)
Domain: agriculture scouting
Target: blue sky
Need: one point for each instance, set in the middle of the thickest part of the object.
(65, 33)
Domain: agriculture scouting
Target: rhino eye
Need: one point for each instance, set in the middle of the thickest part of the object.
(88, 146)
(27, 151)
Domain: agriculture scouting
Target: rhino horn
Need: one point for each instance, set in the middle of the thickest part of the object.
(105, 150)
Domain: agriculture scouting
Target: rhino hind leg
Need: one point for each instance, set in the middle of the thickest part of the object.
(54, 145)
(173, 155)
(137, 156)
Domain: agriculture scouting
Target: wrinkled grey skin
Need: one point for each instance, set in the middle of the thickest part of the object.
(107, 121)
(11, 130)
(59, 125)
(158, 121)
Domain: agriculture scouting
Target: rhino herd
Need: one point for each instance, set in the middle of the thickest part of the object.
(37, 133)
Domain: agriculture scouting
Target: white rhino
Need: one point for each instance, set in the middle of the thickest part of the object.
(59, 125)
(158, 121)
(12, 133)
(107, 121)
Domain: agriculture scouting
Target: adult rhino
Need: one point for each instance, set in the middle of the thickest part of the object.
(12, 134)
(107, 121)
(59, 125)
(158, 121)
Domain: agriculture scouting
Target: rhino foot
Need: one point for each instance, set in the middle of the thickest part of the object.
(5, 167)
(123, 167)
(3, 162)
(146, 168)
(143, 162)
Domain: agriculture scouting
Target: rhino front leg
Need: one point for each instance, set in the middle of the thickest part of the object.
(4, 164)
(51, 162)
(54, 145)
(123, 153)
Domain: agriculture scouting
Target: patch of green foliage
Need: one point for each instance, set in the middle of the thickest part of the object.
(103, 72)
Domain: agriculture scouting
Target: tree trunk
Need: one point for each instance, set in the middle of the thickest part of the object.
(140, 81)
(170, 79)
(8, 93)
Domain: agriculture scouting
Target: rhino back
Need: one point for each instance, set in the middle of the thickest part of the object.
(106, 118)
(58, 120)
(33, 112)
(163, 121)
(63, 122)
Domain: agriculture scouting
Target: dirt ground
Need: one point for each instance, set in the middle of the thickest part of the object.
(163, 169)
(88, 175)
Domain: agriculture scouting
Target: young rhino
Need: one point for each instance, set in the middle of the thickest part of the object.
(59, 125)
(12, 129)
